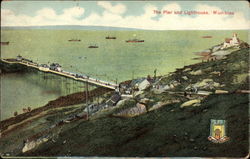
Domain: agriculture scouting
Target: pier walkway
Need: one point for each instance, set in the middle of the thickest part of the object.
(78, 77)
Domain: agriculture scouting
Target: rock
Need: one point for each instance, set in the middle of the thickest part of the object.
(198, 72)
(191, 140)
(204, 148)
(31, 145)
(175, 83)
(190, 103)
(205, 110)
(221, 53)
(171, 86)
(221, 92)
(144, 101)
(138, 93)
(157, 106)
(206, 84)
(195, 148)
(160, 104)
(185, 77)
(126, 96)
(167, 87)
(216, 48)
(121, 102)
(196, 105)
(134, 111)
(187, 69)
(204, 93)
(216, 73)
(144, 84)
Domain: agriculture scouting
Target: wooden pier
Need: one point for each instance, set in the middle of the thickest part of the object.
(77, 77)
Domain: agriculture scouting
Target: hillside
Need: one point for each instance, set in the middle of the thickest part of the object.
(169, 117)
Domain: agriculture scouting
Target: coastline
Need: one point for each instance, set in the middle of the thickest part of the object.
(63, 101)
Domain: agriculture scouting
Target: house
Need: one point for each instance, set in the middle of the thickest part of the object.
(229, 42)
(114, 99)
(144, 84)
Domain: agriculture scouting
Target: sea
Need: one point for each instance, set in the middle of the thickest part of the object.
(113, 60)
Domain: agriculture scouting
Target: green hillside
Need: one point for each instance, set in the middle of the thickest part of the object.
(172, 129)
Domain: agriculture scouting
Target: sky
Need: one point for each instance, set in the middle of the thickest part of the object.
(128, 14)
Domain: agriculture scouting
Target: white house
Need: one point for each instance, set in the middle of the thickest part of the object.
(229, 42)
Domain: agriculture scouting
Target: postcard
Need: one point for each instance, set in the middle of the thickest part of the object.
(124, 79)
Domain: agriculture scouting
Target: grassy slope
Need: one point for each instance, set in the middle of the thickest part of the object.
(168, 130)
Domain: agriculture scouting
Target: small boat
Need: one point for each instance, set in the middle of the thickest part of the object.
(207, 36)
(110, 37)
(74, 40)
(93, 46)
(5, 43)
(135, 41)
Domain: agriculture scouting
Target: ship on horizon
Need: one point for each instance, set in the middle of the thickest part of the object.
(93, 46)
(134, 41)
(207, 36)
(74, 40)
(110, 37)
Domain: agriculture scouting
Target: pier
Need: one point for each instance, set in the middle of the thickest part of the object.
(59, 71)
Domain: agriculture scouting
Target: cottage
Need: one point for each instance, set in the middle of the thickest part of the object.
(114, 99)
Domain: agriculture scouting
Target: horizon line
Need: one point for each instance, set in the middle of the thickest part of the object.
(116, 27)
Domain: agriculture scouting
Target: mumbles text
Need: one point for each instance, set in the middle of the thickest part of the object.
(193, 12)
(223, 12)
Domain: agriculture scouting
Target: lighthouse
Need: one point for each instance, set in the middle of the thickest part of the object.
(229, 42)
(235, 40)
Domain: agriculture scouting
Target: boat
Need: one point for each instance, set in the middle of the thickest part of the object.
(110, 37)
(93, 46)
(134, 41)
(5, 43)
(207, 36)
(74, 40)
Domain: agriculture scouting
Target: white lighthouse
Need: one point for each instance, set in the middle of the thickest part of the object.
(235, 40)
(229, 42)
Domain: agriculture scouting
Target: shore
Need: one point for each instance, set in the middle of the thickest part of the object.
(72, 99)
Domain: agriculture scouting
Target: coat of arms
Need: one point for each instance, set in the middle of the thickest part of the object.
(218, 131)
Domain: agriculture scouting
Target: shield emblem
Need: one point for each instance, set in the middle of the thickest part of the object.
(218, 131)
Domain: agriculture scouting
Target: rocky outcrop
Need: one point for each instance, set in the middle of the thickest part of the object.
(194, 102)
(198, 72)
(33, 144)
(160, 104)
(221, 92)
(204, 84)
(134, 111)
